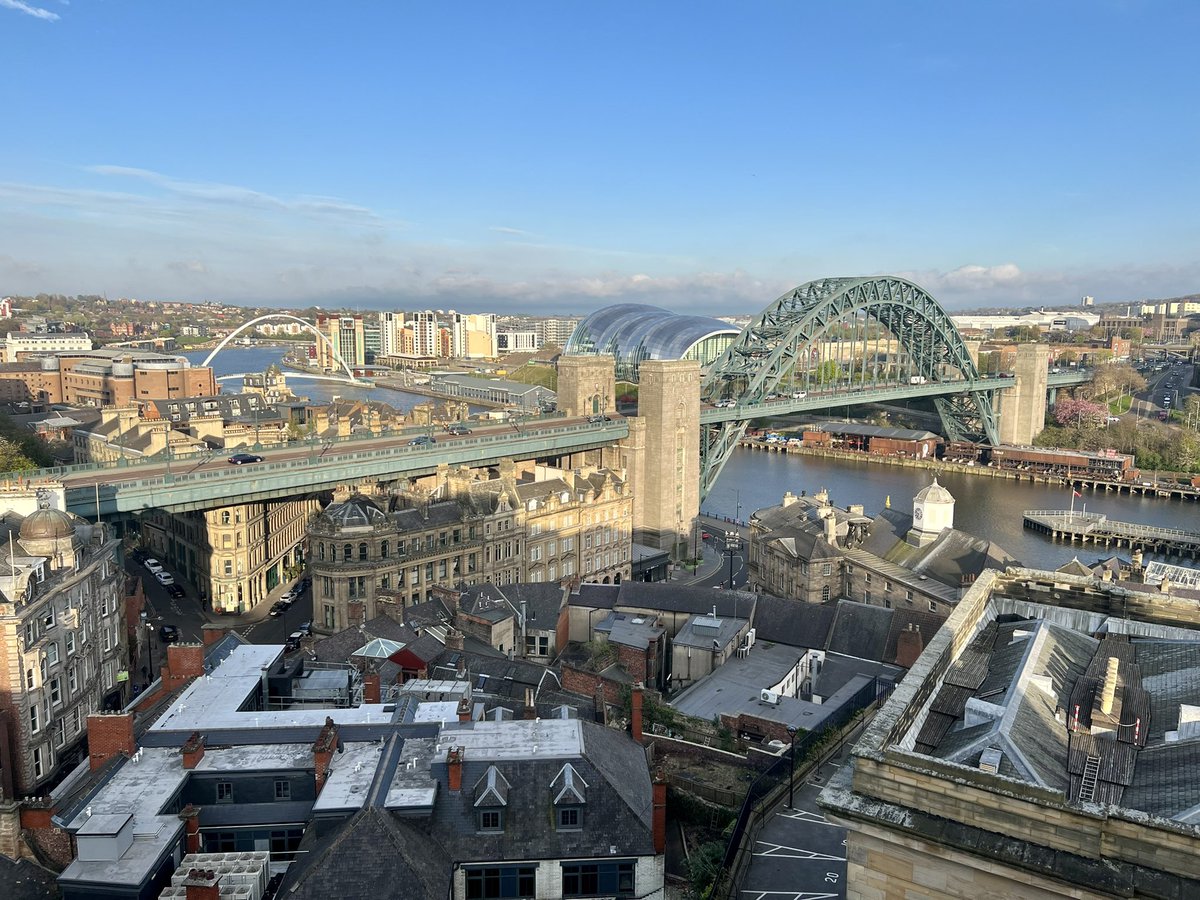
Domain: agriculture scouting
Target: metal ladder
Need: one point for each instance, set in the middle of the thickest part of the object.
(1087, 787)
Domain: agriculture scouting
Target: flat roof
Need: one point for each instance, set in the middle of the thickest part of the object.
(513, 739)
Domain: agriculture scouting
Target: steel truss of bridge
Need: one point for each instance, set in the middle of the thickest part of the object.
(785, 350)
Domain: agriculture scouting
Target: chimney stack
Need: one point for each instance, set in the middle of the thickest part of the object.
(530, 706)
(109, 734)
(193, 750)
(371, 690)
(454, 758)
(1109, 691)
(202, 884)
(635, 714)
(323, 749)
(660, 813)
(191, 821)
(464, 709)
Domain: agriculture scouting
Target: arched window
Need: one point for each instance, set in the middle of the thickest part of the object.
(224, 517)
(362, 551)
(383, 549)
(321, 550)
(825, 594)
(348, 553)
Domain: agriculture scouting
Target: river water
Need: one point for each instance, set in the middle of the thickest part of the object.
(986, 507)
(236, 360)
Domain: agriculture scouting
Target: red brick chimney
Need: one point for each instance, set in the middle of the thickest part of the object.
(202, 884)
(323, 749)
(454, 639)
(211, 632)
(191, 823)
(909, 645)
(109, 734)
(660, 813)
(464, 709)
(193, 750)
(635, 715)
(371, 692)
(185, 662)
(454, 758)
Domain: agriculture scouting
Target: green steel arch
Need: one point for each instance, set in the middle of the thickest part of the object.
(785, 333)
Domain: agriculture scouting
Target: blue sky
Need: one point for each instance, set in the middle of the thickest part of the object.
(562, 156)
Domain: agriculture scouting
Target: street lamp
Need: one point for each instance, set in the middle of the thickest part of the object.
(733, 542)
(791, 765)
(149, 644)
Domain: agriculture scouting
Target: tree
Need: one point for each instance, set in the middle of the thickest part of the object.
(12, 459)
(1073, 413)
(1112, 378)
(828, 371)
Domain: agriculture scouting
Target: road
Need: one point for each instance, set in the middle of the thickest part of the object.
(301, 450)
(715, 544)
(185, 613)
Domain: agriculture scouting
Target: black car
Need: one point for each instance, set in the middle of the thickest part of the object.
(168, 634)
(278, 608)
(598, 419)
(175, 590)
(240, 459)
(422, 441)
(139, 556)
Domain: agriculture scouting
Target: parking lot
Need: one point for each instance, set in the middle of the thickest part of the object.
(799, 854)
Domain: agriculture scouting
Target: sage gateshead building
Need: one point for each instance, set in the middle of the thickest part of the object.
(633, 332)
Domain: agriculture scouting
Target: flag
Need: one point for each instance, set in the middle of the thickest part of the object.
(1076, 493)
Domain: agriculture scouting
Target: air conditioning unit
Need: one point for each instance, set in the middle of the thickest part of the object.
(771, 697)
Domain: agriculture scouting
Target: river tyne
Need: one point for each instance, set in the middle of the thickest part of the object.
(986, 507)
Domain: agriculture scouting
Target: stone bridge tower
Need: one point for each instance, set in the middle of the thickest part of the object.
(1022, 407)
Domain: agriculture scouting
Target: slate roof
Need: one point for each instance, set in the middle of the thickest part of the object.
(860, 630)
(340, 646)
(947, 559)
(793, 622)
(373, 854)
(25, 880)
(666, 597)
(926, 622)
(618, 810)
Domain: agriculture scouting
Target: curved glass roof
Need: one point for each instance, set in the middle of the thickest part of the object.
(632, 332)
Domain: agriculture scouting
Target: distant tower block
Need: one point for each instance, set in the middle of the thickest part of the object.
(586, 385)
(669, 402)
(1023, 406)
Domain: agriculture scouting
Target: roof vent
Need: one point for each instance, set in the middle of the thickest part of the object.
(989, 760)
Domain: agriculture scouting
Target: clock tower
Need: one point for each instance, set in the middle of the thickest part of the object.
(933, 513)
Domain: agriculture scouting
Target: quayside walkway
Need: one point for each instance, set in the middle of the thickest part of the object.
(1096, 528)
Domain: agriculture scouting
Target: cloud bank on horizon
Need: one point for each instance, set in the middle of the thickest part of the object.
(564, 158)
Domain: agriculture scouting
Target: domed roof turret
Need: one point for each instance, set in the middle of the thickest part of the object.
(934, 493)
(46, 524)
(355, 512)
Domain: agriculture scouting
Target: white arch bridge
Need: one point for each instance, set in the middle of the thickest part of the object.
(307, 325)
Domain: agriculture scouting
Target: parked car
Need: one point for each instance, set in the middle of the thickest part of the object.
(168, 634)
(153, 565)
(423, 440)
(305, 629)
(287, 597)
(139, 556)
(240, 459)
(293, 642)
(164, 577)
(278, 608)
(175, 590)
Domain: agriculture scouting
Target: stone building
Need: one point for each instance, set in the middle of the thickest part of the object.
(810, 550)
(63, 640)
(531, 524)
(1043, 745)
(235, 556)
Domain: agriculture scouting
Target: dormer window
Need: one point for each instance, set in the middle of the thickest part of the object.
(491, 799)
(568, 790)
(569, 818)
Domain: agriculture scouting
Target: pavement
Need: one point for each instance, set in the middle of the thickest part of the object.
(713, 571)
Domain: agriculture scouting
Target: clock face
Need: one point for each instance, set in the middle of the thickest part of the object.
(917, 513)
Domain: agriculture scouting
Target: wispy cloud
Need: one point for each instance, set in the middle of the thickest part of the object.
(502, 229)
(36, 11)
